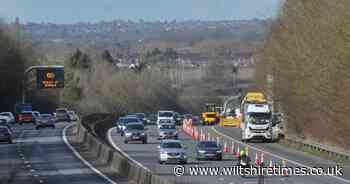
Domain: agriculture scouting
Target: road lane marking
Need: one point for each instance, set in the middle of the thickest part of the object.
(64, 137)
(272, 154)
(110, 140)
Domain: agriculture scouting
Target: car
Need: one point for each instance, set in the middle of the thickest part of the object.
(152, 119)
(6, 134)
(45, 120)
(26, 117)
(73, 116)
(208, 150)
(168, 131)
(187, 116)
(142, 117)
(124, 121)
(164, 121)
(62, 115)
(178, 118)
(36, 115)
(135, 132)
(172, 151)
(4, 122)
(9, 115)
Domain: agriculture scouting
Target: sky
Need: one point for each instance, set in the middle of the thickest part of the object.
(73, 11)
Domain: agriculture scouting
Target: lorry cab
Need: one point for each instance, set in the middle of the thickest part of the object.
(257, 122)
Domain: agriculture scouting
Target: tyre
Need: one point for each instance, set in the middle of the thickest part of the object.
(53, 127)
(144, 142)
(37, 128)
(219, 158)
(10, 141)
(161, 162)
(125, 141)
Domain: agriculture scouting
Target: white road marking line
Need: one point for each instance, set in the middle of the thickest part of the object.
(274, 155)
(110, 140)
(64, 137)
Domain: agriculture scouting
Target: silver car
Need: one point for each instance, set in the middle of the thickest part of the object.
(168, 131)
(172, 151)
(135, 132)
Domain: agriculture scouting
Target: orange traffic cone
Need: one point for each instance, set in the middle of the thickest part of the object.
(233, 148)
(284, 168)
(226, 149)
(238, 152)
(257, 161)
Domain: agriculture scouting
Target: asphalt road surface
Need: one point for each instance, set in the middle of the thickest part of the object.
(294, 157)
(147, 155)
(41, 156)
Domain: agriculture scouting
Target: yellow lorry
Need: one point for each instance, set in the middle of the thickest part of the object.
(210, 116)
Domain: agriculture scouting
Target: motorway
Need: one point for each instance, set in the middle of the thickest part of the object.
(41, 156)
(147, 155)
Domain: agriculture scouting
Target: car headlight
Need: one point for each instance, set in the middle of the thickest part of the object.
(143, 134)
(201, 151)
(128, 134)
(218, 151)
(163, 152)
(175, 133)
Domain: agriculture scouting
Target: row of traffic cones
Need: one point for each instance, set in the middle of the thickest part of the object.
(235, 147)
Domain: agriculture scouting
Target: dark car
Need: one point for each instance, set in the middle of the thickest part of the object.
(5, 134)
(208, 150)
(44, 121)
(62, 115)
(178, 118)
(135, 132)
(152, 119)
(3, 122)
(142, 117)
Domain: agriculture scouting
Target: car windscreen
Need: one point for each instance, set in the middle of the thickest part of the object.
(210, 144)
(140, 115)
(130, 120)
(259, 118)
(166, 114)
(5, 114)
(135, 127)
(171, 145)
(167, 127)
(3, 130)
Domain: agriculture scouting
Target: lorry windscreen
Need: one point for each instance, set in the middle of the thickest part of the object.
(260, 118)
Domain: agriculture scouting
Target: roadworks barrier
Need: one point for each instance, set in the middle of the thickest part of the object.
(116, 163)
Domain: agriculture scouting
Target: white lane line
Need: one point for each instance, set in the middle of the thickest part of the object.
(274, 155)
(110, 140)
(64, 137)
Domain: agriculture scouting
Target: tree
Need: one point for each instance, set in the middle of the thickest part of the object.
(106, 56)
